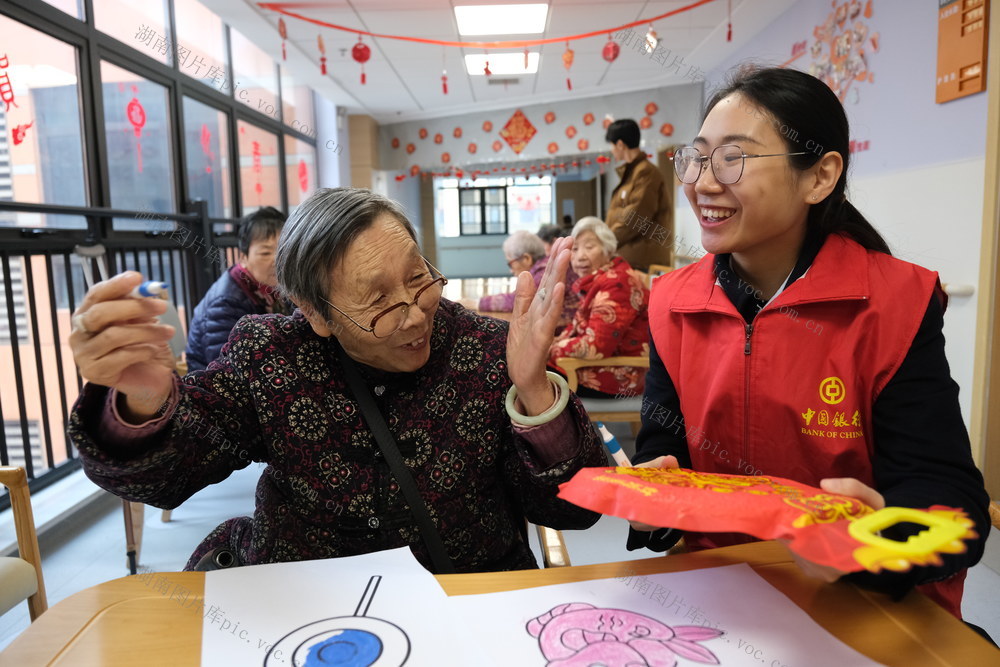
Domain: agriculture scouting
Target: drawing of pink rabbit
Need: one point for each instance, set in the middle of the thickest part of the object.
(580, 635)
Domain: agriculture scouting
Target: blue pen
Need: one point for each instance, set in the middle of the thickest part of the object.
(611, 442)
(149, 288)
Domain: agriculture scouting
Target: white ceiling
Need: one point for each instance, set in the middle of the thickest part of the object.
(404, 78)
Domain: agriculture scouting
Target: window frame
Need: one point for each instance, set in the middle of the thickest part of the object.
(483, 205)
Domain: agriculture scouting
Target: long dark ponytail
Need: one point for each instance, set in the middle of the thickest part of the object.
(810, 118)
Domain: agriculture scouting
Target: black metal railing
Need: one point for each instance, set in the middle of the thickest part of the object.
(43, 283)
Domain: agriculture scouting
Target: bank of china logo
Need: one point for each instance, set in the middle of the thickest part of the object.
(831, 390)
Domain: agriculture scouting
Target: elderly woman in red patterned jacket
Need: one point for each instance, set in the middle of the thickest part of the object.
(612, 318)
(484, 434)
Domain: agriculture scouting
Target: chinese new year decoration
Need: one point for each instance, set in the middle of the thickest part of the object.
(322, 53)
(303, 176)
(570, 131)
(588, 118)
(422, 133)
(611, 50)
(206, 147)
(257, 168)
(473, 148)
(395, 142)
(550, 117)
(137, 116)
(446, 157)
(583, 145)
(361, 53)
(518, 131)
(567, 56)
(651, 108)
(438, 138)
(457, 133)
(487, 126)
(283, 31)
(666, 129)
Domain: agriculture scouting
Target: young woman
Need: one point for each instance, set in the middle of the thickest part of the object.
(799, 347)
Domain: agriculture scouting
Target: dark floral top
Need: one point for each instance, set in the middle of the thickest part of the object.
(277, 395)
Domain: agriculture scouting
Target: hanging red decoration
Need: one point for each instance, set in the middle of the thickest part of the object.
(395, 142)
(588, 118)
(651, 108)
(283, 31)
(400, 177)
(611, 50)
(583, 145)
(414, 170)
(526, 57)
(607, 122)
(550, 117)
(601, 159)
(410, 148)
(729, 30)
(570, 131)
(361, 53)
(553, 149)
(567, 63)
(322, 51)
(473, 148)
(446, 157)
(666, 129)
(206, 147)
(444, 81)
(438, 138)
(486, 68)
(497, 146)
(303, 176)
(646, 122)
(18, 132)
(422, 133)
(457, 133)
(487, 126)
(137, 116)
(257, 168)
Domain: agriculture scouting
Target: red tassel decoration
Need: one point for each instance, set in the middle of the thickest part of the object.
(322, 51)
(567, 58)
(729, 32)
(569, 84)
(361, 53)
(444, 81)
(283, 31)
(364, 79)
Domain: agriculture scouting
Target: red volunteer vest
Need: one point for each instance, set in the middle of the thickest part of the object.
(791, 395)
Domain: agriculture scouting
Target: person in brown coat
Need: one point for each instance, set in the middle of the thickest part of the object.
(639, 213)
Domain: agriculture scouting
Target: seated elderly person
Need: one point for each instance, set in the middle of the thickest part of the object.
(247, 288)
(612, 319)
(374, 360)
(525, 251)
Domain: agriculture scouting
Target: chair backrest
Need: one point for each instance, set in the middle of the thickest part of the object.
(16, 481)
(626, 409)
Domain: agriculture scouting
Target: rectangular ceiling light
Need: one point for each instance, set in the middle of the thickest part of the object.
(501, 63)
(501, 19)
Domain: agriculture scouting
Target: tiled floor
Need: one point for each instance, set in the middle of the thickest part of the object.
(91, 550)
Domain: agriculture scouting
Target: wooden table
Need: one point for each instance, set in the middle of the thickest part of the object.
(131, 621)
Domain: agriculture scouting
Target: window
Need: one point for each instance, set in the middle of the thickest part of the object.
(201, 44)
(137, 130)
(260, 179)
(492, 205)
(20, 310)
(72, 7)
(41, 137)
(15, 444)
(206, 148)
(141, 25)
(255, 75)
(297, 106)
(300, 170)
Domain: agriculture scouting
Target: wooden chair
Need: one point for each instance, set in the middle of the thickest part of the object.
(658, 270)
(21, 578)
(627, 409)
(995, 514)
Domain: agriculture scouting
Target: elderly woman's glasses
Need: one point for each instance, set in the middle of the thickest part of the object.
(391, 320)
(727, 163)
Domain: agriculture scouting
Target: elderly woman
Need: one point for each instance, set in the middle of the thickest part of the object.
(612, 319)
(372, 345)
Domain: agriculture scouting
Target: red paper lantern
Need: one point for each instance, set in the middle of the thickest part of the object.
(611, 50)
(583, 145)
(550, 117)
(497, 146)
(567, 63)
(438, 138)
(553, 149)
(410, 148)
(487, 126)
(570, 131)
(666, 129)
(422, 133)
(446, 157)
(651, 108)
(361, 53)
(646, 122)
(588, 118)
(473, 148)
(395, 142)
(457, 133)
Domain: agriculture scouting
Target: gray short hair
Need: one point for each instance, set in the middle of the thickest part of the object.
(317, 236)
(523, 242)
(600, 230)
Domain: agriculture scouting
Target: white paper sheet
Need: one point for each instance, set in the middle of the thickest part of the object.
(657, 620)
(379, 609)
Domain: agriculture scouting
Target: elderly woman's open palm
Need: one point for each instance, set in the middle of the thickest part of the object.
(532, 327)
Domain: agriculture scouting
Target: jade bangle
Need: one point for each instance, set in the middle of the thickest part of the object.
(561, 401)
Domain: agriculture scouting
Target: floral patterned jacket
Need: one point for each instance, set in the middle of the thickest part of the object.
(612, 321)
(277, 395)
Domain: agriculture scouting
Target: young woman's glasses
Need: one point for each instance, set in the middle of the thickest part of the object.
(727, 163)
(391, 320)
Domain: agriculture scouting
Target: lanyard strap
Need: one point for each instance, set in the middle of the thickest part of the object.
(386, 443)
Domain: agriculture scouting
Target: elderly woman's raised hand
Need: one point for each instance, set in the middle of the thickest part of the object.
(532, 327)
(118, 342)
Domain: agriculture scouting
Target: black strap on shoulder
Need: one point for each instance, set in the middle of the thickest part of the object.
(386, 443)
